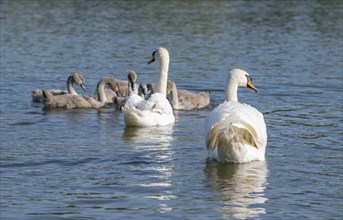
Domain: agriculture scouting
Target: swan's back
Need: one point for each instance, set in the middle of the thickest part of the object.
(236, 133)
(189, 100)
(182, 99)
(37, 94)
(69, 101)
(156, 111)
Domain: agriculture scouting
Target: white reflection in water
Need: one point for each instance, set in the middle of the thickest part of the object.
(240, 186)
(149, 136)
(154, 163)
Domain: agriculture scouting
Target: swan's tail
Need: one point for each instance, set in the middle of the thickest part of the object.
(47, 95)
(132, 116)
(226, 142)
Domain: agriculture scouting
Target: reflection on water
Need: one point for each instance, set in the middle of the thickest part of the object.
(240, 186)
(149, 135)
(153, 162)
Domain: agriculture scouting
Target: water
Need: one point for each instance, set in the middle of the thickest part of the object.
(84, 164)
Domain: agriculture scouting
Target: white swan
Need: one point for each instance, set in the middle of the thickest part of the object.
(70, 101)
(77, 78)
(156, 110)
(235, 132)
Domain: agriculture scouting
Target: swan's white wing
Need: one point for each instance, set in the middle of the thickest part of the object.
(133, 100)
(160, 104)
(152, 112)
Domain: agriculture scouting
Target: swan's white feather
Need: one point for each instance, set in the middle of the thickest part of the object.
(236, 133)
(156, 111)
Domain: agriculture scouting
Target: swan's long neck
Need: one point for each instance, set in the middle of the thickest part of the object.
(101, 91)
(131, 88)
(70, 86)
(162, 83)
(231, 90)
(174, 97)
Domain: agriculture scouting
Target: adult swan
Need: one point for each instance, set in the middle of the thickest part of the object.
(156, 111)
(236, 132)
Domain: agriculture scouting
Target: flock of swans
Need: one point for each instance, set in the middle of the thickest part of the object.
(234, 132)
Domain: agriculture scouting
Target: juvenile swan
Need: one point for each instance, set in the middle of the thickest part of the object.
(111, 95)
(77, 78)
(182, 99)
(236, 132)
(70, 101)
(132, 88)
(156, 110)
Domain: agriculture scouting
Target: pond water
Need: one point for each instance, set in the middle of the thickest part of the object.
(84, 164)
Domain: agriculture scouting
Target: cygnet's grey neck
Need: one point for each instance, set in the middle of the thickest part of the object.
(101, 90)
(70, 86)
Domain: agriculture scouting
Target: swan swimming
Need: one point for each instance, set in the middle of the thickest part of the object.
(74, 78)
(182, 99)
(156, 111)
(70, 101)
(111, 95)
(236, 132)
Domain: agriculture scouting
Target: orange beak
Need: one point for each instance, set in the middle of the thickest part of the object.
(251, 86)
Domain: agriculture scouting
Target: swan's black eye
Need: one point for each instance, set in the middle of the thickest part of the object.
(153, 54)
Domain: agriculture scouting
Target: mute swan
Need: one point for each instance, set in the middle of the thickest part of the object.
(156, 110)
(119, 101)
(235, 132)
(70, 101)
(77, 78)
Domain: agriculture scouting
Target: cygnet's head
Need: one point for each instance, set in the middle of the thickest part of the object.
(113, 84)
(241, 78)
(132, 77)
(79, 80)
(170, 85)
(143, 89)
(159, 54)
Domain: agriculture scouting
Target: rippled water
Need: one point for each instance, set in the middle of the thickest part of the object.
(84, 164)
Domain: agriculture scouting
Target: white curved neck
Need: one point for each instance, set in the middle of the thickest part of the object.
(162, 83)
(231, 90)
(70, 86)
